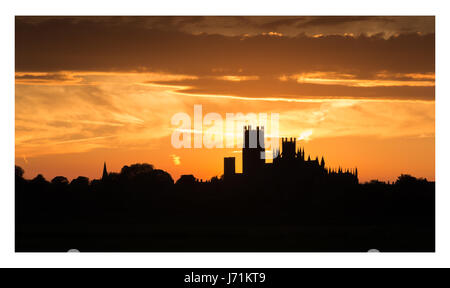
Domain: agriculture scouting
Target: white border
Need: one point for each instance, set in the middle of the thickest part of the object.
(232, 7)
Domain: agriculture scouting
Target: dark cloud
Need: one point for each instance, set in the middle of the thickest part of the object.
(44, 77)
(185, 45)
(337, 20)
(239, 25)
(57, 44)
(274, 24)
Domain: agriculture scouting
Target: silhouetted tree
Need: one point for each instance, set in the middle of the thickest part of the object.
(406, 179)
(80, 181)
(19, 171)
(39, 180)
(60, 180)
(186, 180)
(136, 169)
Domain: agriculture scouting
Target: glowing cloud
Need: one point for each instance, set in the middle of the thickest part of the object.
(325, 78)
(175, 159)
(305, 135)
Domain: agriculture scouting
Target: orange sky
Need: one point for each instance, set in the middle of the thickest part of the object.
(96, 89)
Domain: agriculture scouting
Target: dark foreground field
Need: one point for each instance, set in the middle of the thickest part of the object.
(148, 212)
(141, 238)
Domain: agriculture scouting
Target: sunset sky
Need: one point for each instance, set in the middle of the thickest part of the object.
(359, 91)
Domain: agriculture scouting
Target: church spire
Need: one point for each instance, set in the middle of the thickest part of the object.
(105, 172)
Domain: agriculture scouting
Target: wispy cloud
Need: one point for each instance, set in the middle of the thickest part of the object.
(324, 78)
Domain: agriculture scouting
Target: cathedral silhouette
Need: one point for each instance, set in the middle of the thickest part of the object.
(290, 160)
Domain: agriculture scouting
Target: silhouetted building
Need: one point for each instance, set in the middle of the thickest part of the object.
(105, 172)
(253, 150)
(290, 160)
(288, 148)
(229, 166)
